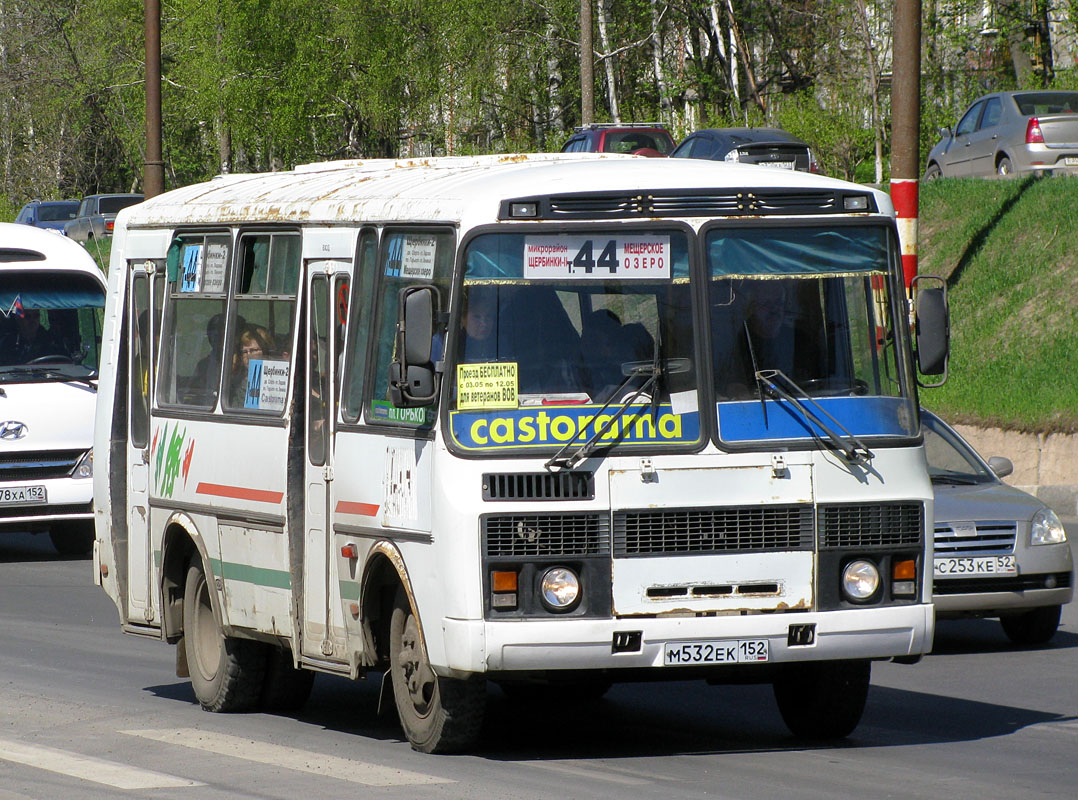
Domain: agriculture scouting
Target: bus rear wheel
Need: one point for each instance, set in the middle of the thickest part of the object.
(227, 673)
(823, 699)
(438, 715)
(286, 687)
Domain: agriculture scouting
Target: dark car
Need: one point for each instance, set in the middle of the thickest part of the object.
(771, 147)
(51, 214)
(646, 139)
(998, 551)
(97, 214)
(1010, 132)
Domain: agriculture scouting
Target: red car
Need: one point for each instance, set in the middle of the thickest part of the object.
(645, 139)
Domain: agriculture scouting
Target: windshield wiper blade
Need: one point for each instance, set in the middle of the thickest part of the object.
(845, 443)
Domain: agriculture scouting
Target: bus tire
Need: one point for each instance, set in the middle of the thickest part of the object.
(227, 674)
(73, 538)
(1035, 626)
(286, 687)
(438, 715)
(823, 699)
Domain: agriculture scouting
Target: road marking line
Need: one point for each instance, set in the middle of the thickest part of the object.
(289, 757)
(87, 768)
(586, 772)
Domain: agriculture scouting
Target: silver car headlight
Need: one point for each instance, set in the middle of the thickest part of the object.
(85, 467)
(1047, 528)
(733, 155)
(860, 579)
(559, 588)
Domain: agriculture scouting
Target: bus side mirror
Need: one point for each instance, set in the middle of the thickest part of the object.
(412, 381)
(932, 328)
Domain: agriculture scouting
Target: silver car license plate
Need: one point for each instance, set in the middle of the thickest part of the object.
(957, 567)
(22, 495)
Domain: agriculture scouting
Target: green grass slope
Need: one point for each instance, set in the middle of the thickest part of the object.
(1009, 252)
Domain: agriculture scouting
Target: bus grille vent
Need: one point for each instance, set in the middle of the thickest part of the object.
(875, 525)
(661, 532)
(539, 486)
(622, 205)
(529, 535)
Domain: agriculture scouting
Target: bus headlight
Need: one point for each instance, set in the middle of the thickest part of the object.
(559, 588)
(860, 580)
(85, 467)
(1047, 528)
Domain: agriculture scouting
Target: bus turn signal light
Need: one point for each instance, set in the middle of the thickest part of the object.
(503, 586)
(350, 551)
(904, 570)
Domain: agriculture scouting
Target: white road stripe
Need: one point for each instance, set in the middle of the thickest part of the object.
(109, 773)
(289, 757)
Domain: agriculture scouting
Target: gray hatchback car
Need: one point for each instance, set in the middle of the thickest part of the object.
(999, 552)
(1010, 133)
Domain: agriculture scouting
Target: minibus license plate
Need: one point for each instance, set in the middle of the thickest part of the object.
(725, 651)
(981, 565)
(22, 495)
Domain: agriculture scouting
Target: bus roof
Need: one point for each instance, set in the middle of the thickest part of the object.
(25, 247)
(451, 189)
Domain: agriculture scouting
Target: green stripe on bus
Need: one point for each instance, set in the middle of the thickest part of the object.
(349, 590)
(245, 573)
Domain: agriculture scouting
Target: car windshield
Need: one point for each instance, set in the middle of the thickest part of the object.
(950, 459)
(112, 205)
(558, 335)
(632, 140)
(57, 212)
(1034, 103)
(49, 327)
(805, 312)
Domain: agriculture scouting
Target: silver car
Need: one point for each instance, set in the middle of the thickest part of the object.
(999, 552)
(1009, 133)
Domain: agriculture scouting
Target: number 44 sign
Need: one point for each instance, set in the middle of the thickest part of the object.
(599, 257)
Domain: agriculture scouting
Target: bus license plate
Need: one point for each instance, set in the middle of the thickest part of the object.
(973, 566)
(726, 651)
(22, 495)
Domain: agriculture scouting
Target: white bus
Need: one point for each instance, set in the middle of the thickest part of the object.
(51, 298)
(521, 420)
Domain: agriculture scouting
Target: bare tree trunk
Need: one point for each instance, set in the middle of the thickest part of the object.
(587, 76)
(657, 61)
(746, 58)
(873, 83)
(554, 81)
(608, 62)
(724, 38)
(6, 137)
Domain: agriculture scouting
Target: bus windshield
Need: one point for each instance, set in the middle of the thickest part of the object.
(805, 311)
(558, 332)
(50, 328)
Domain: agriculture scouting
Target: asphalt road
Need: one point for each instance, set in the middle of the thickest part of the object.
(87, 713)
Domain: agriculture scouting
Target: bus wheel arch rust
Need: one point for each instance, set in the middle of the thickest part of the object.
(181, 540)
(383, 572)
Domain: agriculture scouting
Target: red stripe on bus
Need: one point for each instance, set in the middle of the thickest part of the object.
(359, 509)
(240, 493)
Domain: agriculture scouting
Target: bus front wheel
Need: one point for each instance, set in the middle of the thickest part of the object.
(823, 699)
(226, 673)
(438, 715)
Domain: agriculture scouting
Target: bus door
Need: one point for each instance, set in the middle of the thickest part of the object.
(139, 380)
(323, 632)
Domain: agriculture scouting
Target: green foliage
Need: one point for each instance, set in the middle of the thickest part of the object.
(836, 133)
(1012, 276)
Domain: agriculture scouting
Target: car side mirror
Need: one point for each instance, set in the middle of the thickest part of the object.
(932, 328)
(1001, 466)
(412, 379)
(945, 132)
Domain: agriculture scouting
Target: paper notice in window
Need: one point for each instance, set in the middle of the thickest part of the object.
(213, 268)
(417, 257)
(489, 385)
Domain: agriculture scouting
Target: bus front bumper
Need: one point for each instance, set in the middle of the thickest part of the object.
(476, 646)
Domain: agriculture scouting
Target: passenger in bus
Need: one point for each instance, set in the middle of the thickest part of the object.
(29, 340)
(205, 377)
(607, 345)
(255, 343)
(761, 337)
(480, 325)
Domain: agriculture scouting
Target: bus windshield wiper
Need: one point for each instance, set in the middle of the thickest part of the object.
(842, 441)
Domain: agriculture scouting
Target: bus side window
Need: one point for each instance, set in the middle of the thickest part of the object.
(359, 325)
(196, 271)
(261, 325)
(408, 258)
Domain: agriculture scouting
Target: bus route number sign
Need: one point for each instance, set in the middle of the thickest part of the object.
(600, 257)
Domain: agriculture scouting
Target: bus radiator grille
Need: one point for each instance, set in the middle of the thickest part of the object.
(532, 535)
(758, 528)
(870, 525)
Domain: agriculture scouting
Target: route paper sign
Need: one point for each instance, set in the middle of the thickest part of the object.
(417, 257)
(490, 385)
(191, 277)
(213, 268)
(600, 257)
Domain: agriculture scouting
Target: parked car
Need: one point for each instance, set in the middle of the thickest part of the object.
(50, 214)
(97, 214)
(999, 552)
(646, 139)
(771, 147)
(1008, 133)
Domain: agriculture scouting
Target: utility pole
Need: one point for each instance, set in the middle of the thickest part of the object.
(153, 173)
(905, 129)
(587, 76)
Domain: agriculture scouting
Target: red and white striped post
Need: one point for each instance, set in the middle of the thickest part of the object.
(904, 196)
(905, 129)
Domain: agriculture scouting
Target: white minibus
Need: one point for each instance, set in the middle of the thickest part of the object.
(51, 298)
(541, 422)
